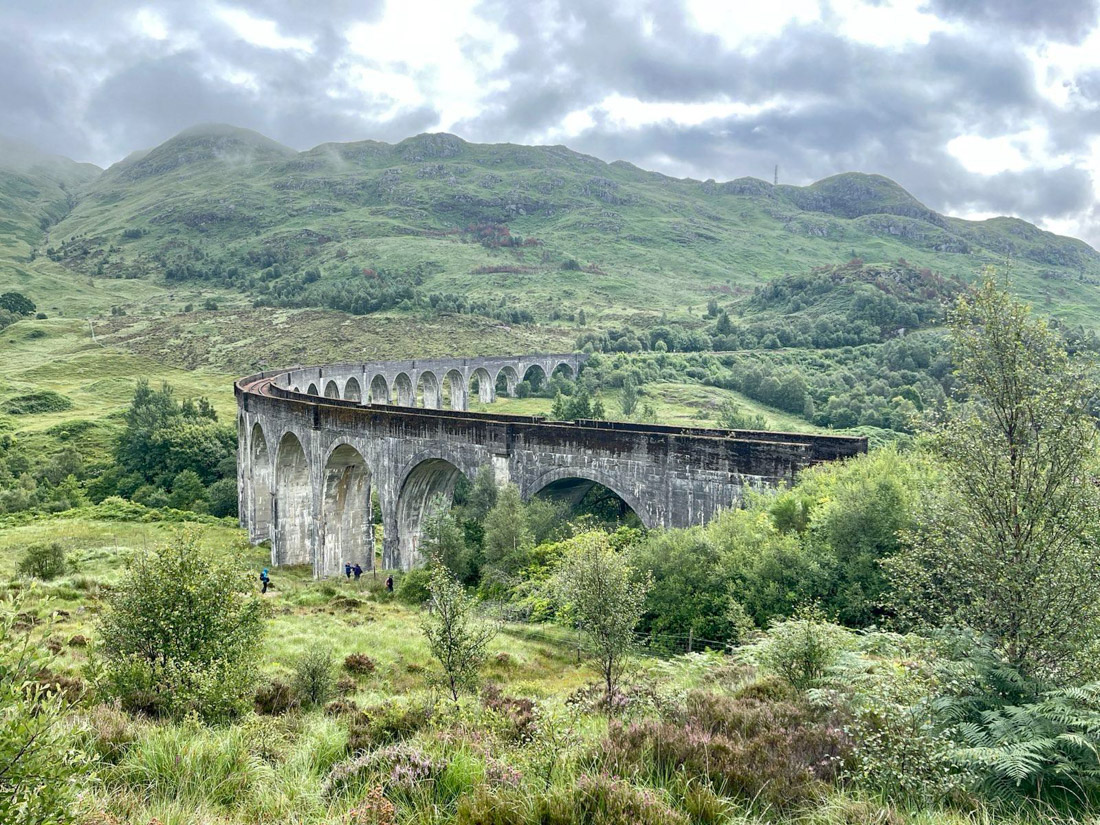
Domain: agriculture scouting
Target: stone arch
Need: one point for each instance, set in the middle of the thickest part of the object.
(352, 390)
(259, 462)
(585, 478)
(404, 390)
(565, 369)
(536, 376)
(486, 387)
(505, 381)
(312, 390)
(293, 510)
(297, 390)
(428, 483)
(332, 390)
(346, 512)
(428, 394)
(379, 390)
(454, 391)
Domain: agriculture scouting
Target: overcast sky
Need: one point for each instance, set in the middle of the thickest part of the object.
(978, 107)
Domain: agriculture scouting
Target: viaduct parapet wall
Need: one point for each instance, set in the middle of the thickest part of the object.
(312, 446)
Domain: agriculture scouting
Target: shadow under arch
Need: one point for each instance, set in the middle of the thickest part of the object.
(535, 377)
(346, 512)
(571, 486)
(404, 391)
(352, 390)
(454, 391)
(565, 370)
(332, 390)
(506, 380)
(379, 390)
(428, 394)
(259, 461)
(312, 390)
(486, 388)
(293, 508)
(424, 488)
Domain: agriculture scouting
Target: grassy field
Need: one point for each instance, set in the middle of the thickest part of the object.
(685, 405)
(542, 747)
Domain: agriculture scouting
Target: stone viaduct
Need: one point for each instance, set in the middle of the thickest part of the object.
(314, 442)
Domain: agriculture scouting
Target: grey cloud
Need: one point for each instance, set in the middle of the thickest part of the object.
(1067, 20)
(833, 104)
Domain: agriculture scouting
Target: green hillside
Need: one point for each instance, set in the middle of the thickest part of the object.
(516, 232)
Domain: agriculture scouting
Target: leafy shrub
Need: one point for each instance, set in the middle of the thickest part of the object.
(373, 809)
(518, 712)
(887, 692)
(314, 680)
(414, 586)
(274, 697)
(801, 649)
(359, 663)
(44, 561)
(182, 633)
(36, 403)
(400, 768)
(773, 754)
(385, 724)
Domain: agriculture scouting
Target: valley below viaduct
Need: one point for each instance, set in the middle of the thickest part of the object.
(315, 442)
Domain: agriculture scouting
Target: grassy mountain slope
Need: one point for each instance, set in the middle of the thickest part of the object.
(339, 222)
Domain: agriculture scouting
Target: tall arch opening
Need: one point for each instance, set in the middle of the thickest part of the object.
(293, 511)
(332, 390)
(428, 394)
(482, 383)
(506, 381)
(533, 382)
(259, 461)
(454, 391)
(346, 512)
(403, 389)
(379, 390)
(352, 390)
(428, 489)
(587, 498)
(312, 389)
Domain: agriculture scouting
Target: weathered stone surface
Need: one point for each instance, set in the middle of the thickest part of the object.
(313, 444)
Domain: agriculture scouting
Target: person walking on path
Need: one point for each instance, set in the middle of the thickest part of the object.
(357, 570)
(347, 570)
(265, 580)
(389, 583)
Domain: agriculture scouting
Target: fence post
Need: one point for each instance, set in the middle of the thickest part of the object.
(691, 634)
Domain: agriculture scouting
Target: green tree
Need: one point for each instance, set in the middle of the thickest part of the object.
(1010, 545)
(222, 497)
(43, 561)
(732, 416)
(188, 492)
(690, 592)
(17, 303)
(508, 538)
(604, 598)
(443, 540)
(456, 638)
(183, 632)
(628, 398)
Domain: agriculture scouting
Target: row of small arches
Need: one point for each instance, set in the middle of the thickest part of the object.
(432, 393)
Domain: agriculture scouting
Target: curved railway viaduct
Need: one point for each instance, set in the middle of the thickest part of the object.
(314, 442)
